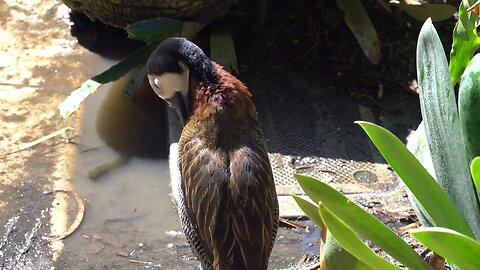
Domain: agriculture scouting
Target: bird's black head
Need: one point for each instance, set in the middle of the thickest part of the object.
(170, 68)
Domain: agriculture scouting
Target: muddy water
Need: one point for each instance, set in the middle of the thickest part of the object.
(122, 170)
(122, 174)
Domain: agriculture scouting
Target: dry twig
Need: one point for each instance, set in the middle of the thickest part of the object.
(25, 146)
(292, 224)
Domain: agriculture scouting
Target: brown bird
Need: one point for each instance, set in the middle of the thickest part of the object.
(226, 198)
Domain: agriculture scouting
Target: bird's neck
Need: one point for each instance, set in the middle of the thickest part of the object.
(226, 100)
(222, 113)
(199, 65)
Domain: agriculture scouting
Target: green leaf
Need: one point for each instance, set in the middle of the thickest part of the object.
(465, 40)
(137, 59)
(76, 97)
(350, 241)
(469, 107)
(159, 29)
(442, 126)
(153, 31)
(332, 254)
(222, 48)
(334, 257)
(115, 72)
(457, 248)
(362, 28)
(438, 12)
(135, 79)
(361, 221)
(475, 170)
(417, 144)
(309, 209)
(416, 178)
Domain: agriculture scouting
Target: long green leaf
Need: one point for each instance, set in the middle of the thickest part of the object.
(134, 60)
(433, 199)
(442, 126)
(469, 107)
(350, 241)
(362, 28)
(115, 72)
(153, 31)
(334, 257)
(361, 221)
(465, 40)
(159, 29)
(457, 248)
(309, 209)
(475, 170)
(417, 144)
(76, 97)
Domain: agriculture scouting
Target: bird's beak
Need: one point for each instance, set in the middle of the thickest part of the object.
(181, 106)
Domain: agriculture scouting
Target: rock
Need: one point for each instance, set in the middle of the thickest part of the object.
(120, 13)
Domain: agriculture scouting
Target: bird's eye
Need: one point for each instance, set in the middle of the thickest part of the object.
(156, 81)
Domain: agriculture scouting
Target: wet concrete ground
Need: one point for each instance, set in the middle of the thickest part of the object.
(39, 64)
(107, 157)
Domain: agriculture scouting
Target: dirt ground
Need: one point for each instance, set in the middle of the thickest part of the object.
(41, 63)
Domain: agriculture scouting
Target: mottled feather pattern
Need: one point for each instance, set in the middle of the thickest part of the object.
(227, 182)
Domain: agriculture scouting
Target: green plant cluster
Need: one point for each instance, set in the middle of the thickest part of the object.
(442, 174)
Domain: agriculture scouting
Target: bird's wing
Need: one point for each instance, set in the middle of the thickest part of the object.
(255, 202)
(201, 169)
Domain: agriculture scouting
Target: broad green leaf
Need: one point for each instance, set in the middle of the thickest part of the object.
(332, 254)
(362, 28)
(309, 209)
(222, 48)
(438, 12)
(350, 241)
(417, 144)
(334, 257)
(465, 40)
(475, 170)
(417, 179)
(159, 29)
(455, 247)
(469, 107)
(442, 126)
(361, 221)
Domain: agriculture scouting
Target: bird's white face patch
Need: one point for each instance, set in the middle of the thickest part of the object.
(167, 84)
